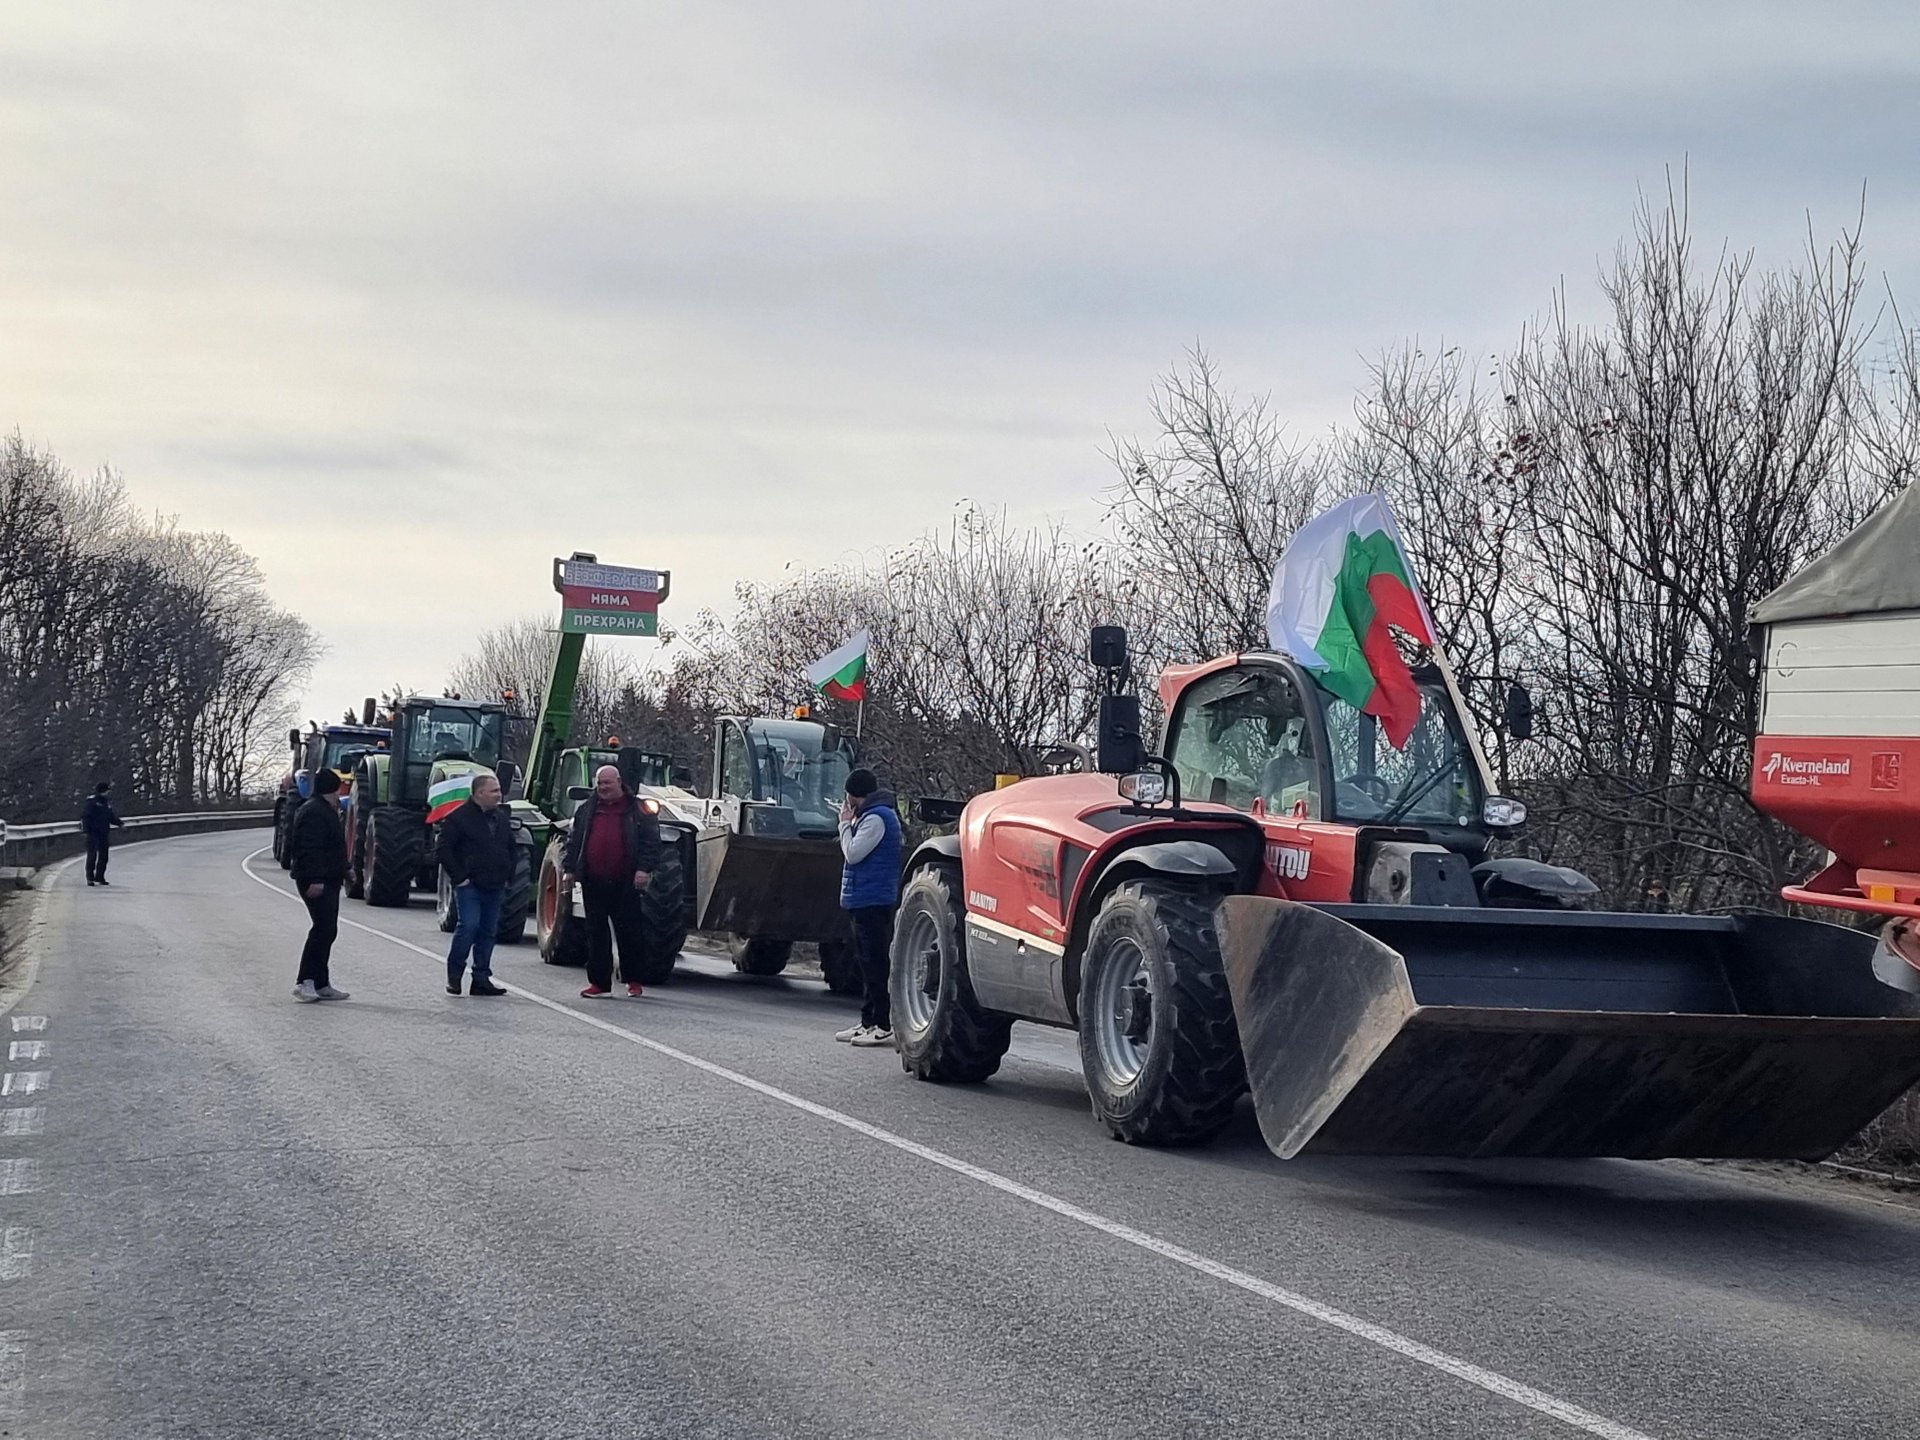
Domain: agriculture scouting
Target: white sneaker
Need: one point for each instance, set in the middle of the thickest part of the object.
(304, 991)
(327, 992)
(843, 1036)
(872, 1035)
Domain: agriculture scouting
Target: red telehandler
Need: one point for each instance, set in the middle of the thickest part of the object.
(1284, 904)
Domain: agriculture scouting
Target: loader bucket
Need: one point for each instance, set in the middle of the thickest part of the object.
(1402, 1030)
(773, 887)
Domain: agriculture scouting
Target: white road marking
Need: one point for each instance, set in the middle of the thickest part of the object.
(29, 1022)
(24, 1082)
(16, 1253)
(23, 1120)
(17, 1177)
(1490, 1380)
(27, 1050)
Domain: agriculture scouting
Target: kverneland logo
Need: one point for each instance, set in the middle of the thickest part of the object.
(1783, 769)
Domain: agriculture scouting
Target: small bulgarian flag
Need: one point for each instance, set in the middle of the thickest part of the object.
(448, 795)
(1343, 580)
(843, 674)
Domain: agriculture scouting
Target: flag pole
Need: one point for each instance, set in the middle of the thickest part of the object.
(1468, 725)
(859, 717)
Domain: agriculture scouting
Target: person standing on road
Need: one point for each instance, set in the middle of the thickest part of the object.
(613, 851)
(870, 844)
(317, 861)
(99, 821)
(476, 851)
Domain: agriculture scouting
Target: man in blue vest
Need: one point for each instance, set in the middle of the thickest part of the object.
(869, 893)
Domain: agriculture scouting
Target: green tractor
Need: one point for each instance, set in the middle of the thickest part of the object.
(439, 746)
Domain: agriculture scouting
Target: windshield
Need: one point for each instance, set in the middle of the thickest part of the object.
(1243, 738)
(447, 730)
(342, 750)
(798, 771)
(1430, 782)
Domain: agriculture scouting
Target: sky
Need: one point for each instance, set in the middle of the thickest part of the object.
(410, 298)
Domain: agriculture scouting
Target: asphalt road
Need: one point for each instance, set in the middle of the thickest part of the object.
(225, 1214)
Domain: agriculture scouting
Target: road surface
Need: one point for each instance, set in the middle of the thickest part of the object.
(225, 1214)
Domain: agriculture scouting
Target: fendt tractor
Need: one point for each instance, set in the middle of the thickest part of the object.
(334, 747)
(439, 745)
(1286, 904)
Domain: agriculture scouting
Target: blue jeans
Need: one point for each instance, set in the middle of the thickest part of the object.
(479, 922)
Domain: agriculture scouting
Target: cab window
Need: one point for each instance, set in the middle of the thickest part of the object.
(1240, 738)
(736, 765)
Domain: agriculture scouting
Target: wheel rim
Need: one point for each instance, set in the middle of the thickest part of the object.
(1122, 1018)
(443, 898)
(549, 901)
(920, 996)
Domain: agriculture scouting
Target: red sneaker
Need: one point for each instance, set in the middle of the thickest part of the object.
(636, 990)
(593, 992)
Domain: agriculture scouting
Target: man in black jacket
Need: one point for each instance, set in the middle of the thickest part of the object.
(613, 849)
(476, 851)
(317, 851)
(99, 821)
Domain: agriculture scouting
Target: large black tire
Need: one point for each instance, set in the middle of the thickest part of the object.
(840, 966)
(446, 909)
(663, 922)
(1153, 995)
(518, 903)
(942, 1031)
(283, 833)
(395, 838)
(757, 955)
(560, 934)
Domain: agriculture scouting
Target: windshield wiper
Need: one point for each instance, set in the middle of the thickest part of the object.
(1412, 797)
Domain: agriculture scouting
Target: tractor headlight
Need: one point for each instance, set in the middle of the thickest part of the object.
(1502, 812)
(1145, 787)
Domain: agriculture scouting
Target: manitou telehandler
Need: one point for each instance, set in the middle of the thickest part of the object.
(1284, 903)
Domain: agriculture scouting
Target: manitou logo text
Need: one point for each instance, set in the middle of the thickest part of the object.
(980, 901)
(1782, 769)
(1289, 862)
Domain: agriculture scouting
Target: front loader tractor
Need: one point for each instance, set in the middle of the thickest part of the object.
(439, 746)
(1287, 905)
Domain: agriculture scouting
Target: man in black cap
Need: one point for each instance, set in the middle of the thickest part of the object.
(870, 846)
(99, 821)
(317, 851)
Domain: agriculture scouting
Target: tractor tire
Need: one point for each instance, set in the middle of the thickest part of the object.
(395, 838)
(942, 1031)
(1158, 1042)
(518, 903)
(560, 934)
(446, 909)
(283, 835)
(663, 922)
(840, 966)
(757, 955)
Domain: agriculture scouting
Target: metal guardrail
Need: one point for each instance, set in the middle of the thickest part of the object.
(33, 845)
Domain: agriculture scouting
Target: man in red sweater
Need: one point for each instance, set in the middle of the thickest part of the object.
(613, 849)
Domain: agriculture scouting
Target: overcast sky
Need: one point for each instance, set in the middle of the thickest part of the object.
(409, 298)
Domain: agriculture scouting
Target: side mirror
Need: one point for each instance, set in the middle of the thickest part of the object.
(579, 792)
(509, 775)
(1118, 748)
(366, 711)
(293, 737)
(1517, 713)
(1107, 647)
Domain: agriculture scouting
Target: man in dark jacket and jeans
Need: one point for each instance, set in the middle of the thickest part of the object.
(870, 846)
(613, 850)
(317, 860)
(476, 851)
(99, 821)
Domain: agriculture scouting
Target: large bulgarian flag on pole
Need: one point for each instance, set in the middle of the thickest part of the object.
(843, 674)
(1343, 580)
(448, 795)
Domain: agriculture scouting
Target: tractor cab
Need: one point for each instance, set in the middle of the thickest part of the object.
(780, 776)
(453, 735)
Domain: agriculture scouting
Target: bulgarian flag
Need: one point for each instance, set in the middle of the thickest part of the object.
(843, 674)
(448, 795)
(1343, 580)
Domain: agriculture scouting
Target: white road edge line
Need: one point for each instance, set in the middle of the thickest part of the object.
(1489, 1380)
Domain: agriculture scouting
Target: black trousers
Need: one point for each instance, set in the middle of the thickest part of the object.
(613, 913)
(326, 926)
(97, 849)
(873, 944)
